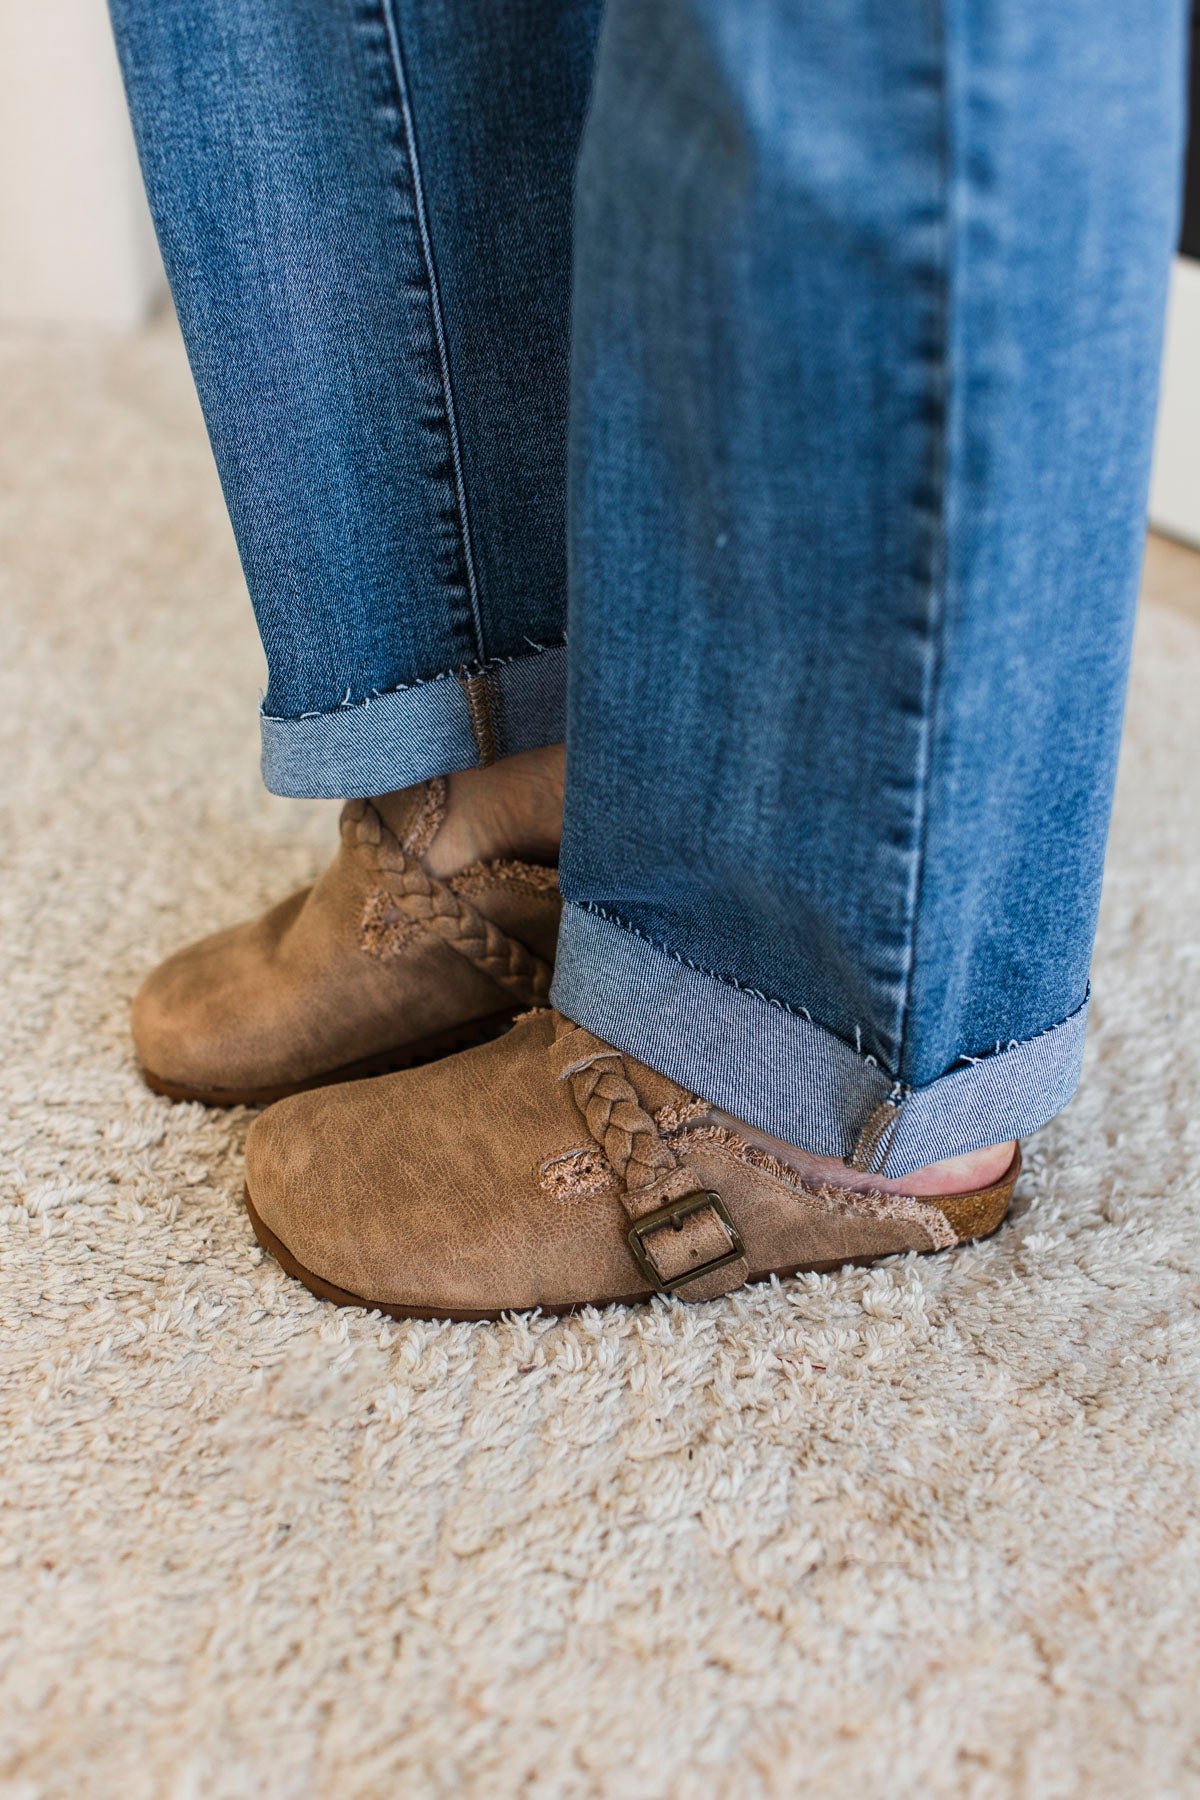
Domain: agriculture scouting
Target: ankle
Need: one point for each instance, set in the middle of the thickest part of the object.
(956, 1175)
(513, 808)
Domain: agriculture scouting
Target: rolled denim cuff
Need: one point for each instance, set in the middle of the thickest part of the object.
(453, 721)
(778, 1070)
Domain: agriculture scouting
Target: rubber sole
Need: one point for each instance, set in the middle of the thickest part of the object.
(325, 1290)
(386, 1062)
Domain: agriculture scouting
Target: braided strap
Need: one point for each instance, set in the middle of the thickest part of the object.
(677, 1252)
(425, 901)
(411, 900)
(618, 1122)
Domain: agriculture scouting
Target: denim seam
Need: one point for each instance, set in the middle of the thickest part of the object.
(939, 552)
(439, 326)
(484, 712)
(405, 687)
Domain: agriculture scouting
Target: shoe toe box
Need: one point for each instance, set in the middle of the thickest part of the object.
(214, 1017)
(320, 1179)
(424, 1190)
(180, 1021)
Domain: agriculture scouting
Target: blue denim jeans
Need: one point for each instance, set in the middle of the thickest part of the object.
(761, 393)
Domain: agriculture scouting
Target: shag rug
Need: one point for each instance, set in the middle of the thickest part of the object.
(930, 1529)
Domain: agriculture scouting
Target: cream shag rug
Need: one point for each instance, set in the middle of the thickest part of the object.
(932, 1529)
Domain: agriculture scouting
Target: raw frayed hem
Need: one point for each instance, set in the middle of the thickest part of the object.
(458, 719)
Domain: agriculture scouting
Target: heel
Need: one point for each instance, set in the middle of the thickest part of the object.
(978, 1214)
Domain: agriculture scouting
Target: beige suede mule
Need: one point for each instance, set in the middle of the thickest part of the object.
(378, 966)
(545, 1169)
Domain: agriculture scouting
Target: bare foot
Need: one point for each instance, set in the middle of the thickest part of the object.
(513, 808)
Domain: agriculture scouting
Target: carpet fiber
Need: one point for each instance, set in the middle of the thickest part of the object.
(929, 1529)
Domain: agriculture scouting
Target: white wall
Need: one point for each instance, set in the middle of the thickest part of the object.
(1175, 489)
(76, 244)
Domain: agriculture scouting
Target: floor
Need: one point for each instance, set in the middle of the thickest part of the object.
(930, 1529)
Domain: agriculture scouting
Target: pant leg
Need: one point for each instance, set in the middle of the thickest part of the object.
(364, 208)
(868, 304)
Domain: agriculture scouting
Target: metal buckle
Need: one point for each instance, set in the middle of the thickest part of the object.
(673, 1214)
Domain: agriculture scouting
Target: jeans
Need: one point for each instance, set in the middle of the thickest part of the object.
(761, 393)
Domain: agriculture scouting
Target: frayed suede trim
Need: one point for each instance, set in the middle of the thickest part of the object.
(531, 878)
(585, 1172)
(868, 1202)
